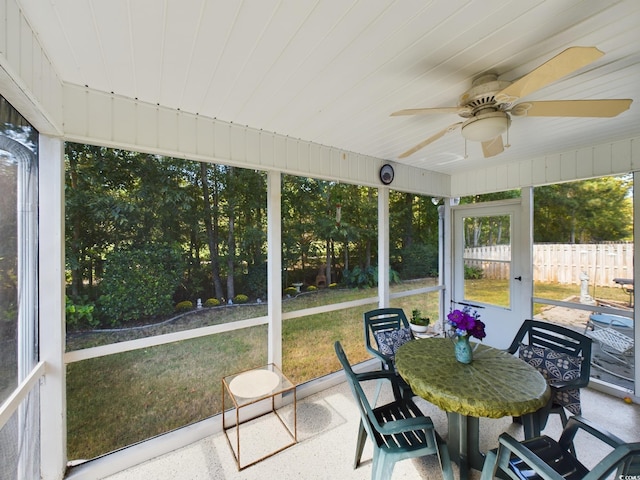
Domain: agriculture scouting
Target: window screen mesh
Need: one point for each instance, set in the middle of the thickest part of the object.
(20, 441)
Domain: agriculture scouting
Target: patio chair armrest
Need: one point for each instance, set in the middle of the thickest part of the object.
(488, 467)
(508, 446)
(625, 459)
(382, 375)
(566, 385)
(406, 425)
(377, 375)
(578, 422)
(386, 360)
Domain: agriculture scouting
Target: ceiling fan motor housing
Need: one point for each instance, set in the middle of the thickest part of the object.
(485, 117)
(481, 95)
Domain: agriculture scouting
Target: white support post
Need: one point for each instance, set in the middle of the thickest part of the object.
(383, 247)
(445, 213)
(274, 267)
(444, 275)
(526, 260)
(53, 411)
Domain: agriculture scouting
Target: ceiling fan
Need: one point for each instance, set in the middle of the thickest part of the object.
(489, 104)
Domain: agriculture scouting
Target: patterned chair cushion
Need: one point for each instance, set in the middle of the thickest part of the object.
(391, 340)
(554, 365)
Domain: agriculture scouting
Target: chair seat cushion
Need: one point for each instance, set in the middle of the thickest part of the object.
(553, 455)
(556, 366)
(390, 340)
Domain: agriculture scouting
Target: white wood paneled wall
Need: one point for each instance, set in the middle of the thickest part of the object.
(609, 159)
(110, 120)
(94, 117)
(27, 77)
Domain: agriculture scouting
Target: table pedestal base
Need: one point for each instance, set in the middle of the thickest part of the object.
(463, 443)
(464, 439)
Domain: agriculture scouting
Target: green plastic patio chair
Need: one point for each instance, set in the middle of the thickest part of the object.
(398, 430)
(564, 358)
(545, 458)
(379, 322)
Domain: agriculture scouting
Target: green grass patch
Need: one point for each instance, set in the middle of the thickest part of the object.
(122, 399)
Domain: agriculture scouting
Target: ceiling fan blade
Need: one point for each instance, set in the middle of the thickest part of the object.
(425, 111)
(431, 139)
(572, 108)
(491, 148)
(561, 65)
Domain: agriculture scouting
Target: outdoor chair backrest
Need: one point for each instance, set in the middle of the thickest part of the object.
(562, 339)
(382, 320)
(545, 458)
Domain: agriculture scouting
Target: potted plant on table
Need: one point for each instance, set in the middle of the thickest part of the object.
(418, 323)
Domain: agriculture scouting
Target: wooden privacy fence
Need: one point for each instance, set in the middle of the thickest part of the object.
(560, 263)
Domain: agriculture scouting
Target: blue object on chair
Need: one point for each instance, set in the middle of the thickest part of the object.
(398, 430)
(545, 458)
(377, 323)
(607, 320)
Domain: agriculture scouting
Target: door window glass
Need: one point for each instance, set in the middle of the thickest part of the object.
(487, 259)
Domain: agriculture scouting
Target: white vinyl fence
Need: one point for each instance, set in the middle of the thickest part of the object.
(560, 263)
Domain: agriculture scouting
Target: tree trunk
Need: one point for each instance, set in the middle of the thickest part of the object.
(408, 220)
(328, 263)
(346, 255)
(368, 242)
(76, 271)
(231, 236)
(212, 233)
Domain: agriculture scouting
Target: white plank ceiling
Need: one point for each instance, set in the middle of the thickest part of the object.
(332, 71)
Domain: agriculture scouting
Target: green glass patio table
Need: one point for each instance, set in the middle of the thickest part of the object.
(496, 384)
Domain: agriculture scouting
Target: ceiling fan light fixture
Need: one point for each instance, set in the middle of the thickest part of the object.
(485, 127)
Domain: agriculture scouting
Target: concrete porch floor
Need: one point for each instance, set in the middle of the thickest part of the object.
(327, 429)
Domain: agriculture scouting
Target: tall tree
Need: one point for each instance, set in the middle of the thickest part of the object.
(232, 194)
(211, 224)
(584, 212)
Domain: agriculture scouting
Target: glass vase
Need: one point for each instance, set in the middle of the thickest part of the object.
(463, 351)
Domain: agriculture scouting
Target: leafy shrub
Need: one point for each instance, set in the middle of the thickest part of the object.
(212, 302)
(255, 281)
(473, 272)
(80, 314)
(418, 261)
(361, 277)
(196, 283)
(313, 288)
(394, 277)
(291, 291)
(367, 277)
(240, 298)
(139, 282)
(184, 306)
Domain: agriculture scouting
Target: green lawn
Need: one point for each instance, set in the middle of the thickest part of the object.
(121, 399)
